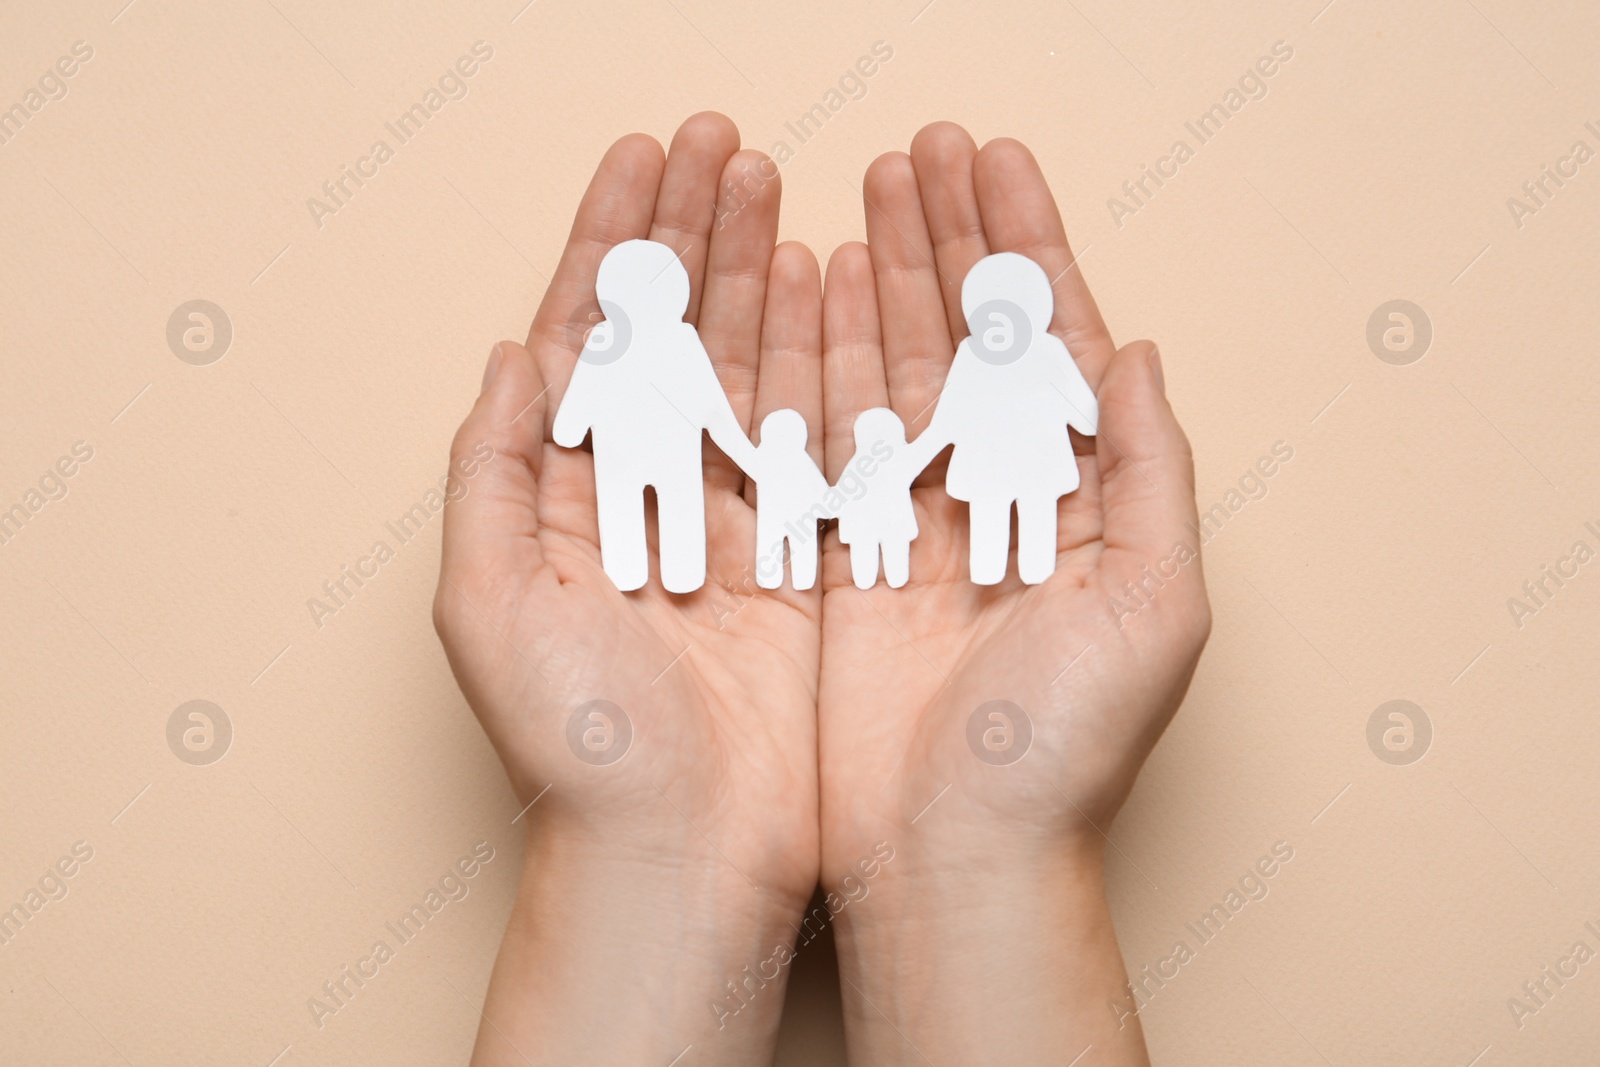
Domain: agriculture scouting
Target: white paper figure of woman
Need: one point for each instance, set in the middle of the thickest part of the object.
(645, 389)
(879, 519)
(1011, 393)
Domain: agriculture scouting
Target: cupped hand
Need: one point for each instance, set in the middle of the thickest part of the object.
(714, 792)
(1082, 675)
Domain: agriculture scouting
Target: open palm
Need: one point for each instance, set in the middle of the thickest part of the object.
(962, 721)
(707, 735)
(695, 756)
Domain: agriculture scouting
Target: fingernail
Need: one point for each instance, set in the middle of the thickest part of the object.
(1155, 368)
(491, 369)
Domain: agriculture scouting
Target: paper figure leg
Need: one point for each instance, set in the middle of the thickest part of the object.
(769, 551)
(990, 521)
(681, 517)
(896, 563)
(802, 562)
(623, 551)
(1036, 539)
(864, 563)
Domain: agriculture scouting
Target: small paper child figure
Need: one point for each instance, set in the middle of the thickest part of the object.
(789, 501)
(876, 515)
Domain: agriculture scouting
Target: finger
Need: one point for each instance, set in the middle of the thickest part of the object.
(852, 353)
(1020, 215)
(790, 374)
(917, 348)
(742, 240)
(687, 203)
(942, 154)
(491, 520)
(617, 207)
(1146, 479)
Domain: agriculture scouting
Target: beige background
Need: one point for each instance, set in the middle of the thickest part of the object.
(220, 497)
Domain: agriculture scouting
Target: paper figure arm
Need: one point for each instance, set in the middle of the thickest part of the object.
(1065, 377)
(920, 452)
(819, 488)
(941, 431)
(575, 416)
(716, 414)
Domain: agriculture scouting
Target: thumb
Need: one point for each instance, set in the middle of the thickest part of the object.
(492, 518)
(1147, 483)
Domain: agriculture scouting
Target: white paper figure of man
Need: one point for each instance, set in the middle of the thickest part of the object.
(644, 388)
(790, 493)
(1012, 391)
(880, 520)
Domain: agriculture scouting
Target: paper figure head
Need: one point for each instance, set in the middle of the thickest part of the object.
(785, 428)
(1007, 301)
(1013, 277)
(645, 279)
(878, 424)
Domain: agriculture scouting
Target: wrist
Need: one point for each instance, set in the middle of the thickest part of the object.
(994, 956)
(620, 954)
(959, 847)
(675, 881)
(976, 898)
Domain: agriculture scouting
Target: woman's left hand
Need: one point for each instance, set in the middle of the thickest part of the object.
(989, 734)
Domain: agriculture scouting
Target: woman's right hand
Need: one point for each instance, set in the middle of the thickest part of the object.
(673, 836)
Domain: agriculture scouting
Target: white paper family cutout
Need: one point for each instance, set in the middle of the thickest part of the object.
(645, 391)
